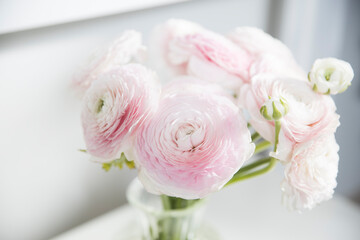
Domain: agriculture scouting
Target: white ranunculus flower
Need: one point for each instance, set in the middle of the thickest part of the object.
(310, 176)
(330, 75)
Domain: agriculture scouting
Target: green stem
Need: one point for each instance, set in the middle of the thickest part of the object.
(170, 227)
(166, 202)
(179, 203)
(262, 146)
(277, 131)
(241, 177)
(252, 166)
(242, 171)
(245, 173)
(255, 136)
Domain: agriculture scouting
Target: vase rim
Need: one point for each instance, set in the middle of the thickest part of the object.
(136, 186)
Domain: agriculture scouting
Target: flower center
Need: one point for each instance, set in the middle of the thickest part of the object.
(328, 73)
(100, 105)
(188, 137)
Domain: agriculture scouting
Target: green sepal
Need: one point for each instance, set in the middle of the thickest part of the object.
(106, 166)
(285, 105)
(276, 113)
(265, 114)
(315, 88)
(118, 163)
(82, 150)
(130, 164)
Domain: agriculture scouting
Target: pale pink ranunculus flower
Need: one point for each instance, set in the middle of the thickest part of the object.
(309, 115)
(276, 65)
(115, 106)
(269, 54)
(193, 144)
(125, 49)
(159, 47)
(201, 53)
(310, 176)
(190, 84)
(256, 42)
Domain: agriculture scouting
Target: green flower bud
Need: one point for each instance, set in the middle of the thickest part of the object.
(274, 109)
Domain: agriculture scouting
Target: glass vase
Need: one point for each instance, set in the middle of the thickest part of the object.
(175, 224)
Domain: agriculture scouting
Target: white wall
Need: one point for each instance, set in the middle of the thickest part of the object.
(19, 15)
(46, 185)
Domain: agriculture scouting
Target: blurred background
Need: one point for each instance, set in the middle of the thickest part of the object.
(46, 185)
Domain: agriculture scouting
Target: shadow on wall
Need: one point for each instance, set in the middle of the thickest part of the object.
(348, 104)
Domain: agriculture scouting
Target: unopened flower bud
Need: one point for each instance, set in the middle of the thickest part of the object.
(274, 108)
(330, 75)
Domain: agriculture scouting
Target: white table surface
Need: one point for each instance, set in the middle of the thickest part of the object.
(248, 210)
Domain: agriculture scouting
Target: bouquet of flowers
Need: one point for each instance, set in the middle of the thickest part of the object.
(190, 109)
